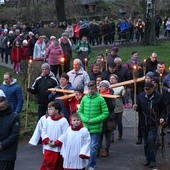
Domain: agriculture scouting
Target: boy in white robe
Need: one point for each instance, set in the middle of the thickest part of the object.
(54, 126)
(38, 131)
(75, 145)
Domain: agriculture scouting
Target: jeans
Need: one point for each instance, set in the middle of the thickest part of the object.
(93, 149)
(150, 138)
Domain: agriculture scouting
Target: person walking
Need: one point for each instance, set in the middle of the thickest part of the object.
(93, 111)
(54, 126)
(40, 87)
(76, 135)
(152, 112)
(10, 128)
(13, 93)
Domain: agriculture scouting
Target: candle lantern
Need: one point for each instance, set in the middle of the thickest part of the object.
(85, 63)
(101, 65)
(106, 57)
(28, 95)
(135, 76)
(160, 82)
(62, 64)
(144, 67)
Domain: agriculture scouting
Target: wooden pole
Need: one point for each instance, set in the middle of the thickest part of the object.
(28, 95)
(135, 75)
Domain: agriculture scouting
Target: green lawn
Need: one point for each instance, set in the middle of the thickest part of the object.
(163, 51)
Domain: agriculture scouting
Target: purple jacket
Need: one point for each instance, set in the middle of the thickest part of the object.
(54, 54)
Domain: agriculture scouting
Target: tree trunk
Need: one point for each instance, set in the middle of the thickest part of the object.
(149, 34)
(60, 10)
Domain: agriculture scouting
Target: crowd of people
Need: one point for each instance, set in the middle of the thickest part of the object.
(84, 117)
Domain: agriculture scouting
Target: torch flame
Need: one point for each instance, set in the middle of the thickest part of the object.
(62, 59)
(134, 67)
(30, 61)
(85, 59)
(144, 60)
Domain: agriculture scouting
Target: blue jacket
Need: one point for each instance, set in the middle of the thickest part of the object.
(52, 97)
(14, 95)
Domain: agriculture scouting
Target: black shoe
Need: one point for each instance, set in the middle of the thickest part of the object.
(147, 163)
(153, 165)
(139, 141)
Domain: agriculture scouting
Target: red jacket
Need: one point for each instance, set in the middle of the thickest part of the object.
(25, 51)
(16, 54)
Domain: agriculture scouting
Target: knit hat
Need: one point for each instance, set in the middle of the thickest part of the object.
(25, 42)
(115, 49)
(46, 65)
(30, 33)
(11, 32)
(149, 85)
(149, 74)
(105, 83)
(80, 89)
(52, 37)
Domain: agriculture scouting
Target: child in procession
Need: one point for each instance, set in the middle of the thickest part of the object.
(54, 126)
(75, 145)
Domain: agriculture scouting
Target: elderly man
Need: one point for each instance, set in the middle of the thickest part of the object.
(13, 93)
(151, 63)
(78, 76)
(40, 87)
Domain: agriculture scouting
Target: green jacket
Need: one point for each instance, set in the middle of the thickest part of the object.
(93, 111)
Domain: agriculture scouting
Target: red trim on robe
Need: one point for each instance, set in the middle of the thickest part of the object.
(45, 141)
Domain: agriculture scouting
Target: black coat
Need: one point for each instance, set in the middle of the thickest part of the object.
(40, 87)
(151, 109)
(9, 134)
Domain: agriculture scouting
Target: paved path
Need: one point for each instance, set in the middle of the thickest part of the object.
(124, 154)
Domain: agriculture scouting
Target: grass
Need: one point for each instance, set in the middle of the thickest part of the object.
(163, 51)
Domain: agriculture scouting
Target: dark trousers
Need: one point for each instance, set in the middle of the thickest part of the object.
(41, 111)
(55, 69)
(107, 134)
(2, 50)
(7, 165)
(150, 138)
(118, 119)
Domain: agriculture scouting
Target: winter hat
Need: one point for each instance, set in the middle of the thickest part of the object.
(46, 65)
(115, 49)
(52, 37)
(105, 83)
(5, 30)
(149, 74)
(149, 85)
(30, 33)
(24, 42)
(11, 32)
(80, 89)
